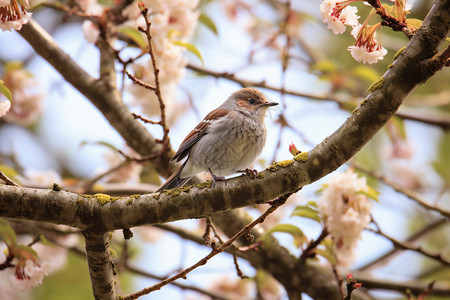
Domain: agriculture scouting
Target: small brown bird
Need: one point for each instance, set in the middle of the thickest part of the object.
(227, 141)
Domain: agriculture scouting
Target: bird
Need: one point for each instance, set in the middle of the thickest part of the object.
(226, 141)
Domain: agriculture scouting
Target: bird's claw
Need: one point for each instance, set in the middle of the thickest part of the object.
(252, 172)
(217, 178)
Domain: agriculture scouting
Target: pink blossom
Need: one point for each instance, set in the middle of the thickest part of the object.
(172, 21)
(91, 7)
(90, 31)
(27, 105)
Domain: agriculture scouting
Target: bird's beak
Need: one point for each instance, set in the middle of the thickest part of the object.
(270, 103)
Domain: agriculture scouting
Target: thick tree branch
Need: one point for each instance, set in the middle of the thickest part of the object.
(101, 212)
(100, 265)
(193, 202)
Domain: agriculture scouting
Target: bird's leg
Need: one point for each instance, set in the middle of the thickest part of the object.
(251, 172)
(216, 178)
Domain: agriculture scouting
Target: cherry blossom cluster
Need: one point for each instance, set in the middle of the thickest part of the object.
(29, 273)
(339, 15)
(13, 14)
(27, 96)
(172, 21)
(172, 24)
(345, 210)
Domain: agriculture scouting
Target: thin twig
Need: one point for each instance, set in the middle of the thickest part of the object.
(140, 82)
(7, 180)
(427, 119)
(207, 234)
(408, 193)
(137, 271)
(88, 186)
(274, 205)
(145, 120)
(157, 89)
(309, 250)
(409, 246)
(420, 234)
(388, 20)
(284, 65)
(238, 269)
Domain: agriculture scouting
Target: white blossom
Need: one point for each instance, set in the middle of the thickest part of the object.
(34, 274)
(5, 105)
(13, 15)
(345, 212)
(362, 54)
(349, 17)
(337, 16)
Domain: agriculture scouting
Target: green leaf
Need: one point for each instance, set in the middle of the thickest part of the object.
(191, 48)
(7, 234)
(297, 233)
(312, 204)
(206, 20)
(43, 240)
(416, 23)
(135, 35)
(22, 252)
(305, 211)
(326, 66)
(5, 91)
(365, 73)
(370, 193)
(327, 254)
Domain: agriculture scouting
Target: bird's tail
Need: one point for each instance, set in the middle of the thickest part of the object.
(174, 181)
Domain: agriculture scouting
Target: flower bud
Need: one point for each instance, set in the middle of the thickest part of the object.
(293, 149)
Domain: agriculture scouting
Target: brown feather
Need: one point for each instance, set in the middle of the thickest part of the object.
(195, 135)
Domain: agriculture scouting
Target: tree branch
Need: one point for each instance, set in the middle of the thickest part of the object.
(409, 246)
(416, 236)
(442, 120)
(201, 200)
(415, 286)
(99, 91)
(100, 265)
(274, 205)
(407, 192)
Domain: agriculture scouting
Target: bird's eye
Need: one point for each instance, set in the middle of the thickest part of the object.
(251, 100)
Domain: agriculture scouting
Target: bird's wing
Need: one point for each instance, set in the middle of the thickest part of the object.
(197, 133)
